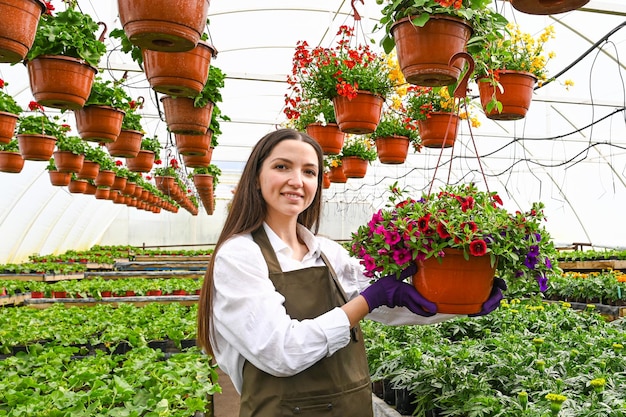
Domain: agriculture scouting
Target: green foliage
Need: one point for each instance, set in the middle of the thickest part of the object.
(100, 156)
(128, 46)
(212, 170)
(151, 144)
(359, 146)
(11, 146)
(216, 118)
(211, 91)
(68, 33)
(395, 123)
(40, 125)
(108, 93)
(72, 144)
(308, 112)
(51, 165)
(132, 120)
(7, 102)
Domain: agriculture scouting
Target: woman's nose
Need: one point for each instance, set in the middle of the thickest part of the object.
(295, 179)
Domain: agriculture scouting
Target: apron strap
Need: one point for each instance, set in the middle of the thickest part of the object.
(261, 239)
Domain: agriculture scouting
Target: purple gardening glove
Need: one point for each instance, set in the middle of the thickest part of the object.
(493, 301)
(393, 292)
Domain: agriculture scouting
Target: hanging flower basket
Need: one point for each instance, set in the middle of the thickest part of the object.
(545, 7)
(193, 144)
(515, 96)
(158, 25)
(127, 144)
(102, 193)
(354, 167)
(439, 130)
(337, 175)
(180, 74)
(328, 136)
(19, 24)
(326, 180)
(59, 179)
(89, 170)
(119, 183)
(424, 52)
(67, 161)
(8, 121)
(360, 115)
(456, 285)
(77, 186)
(11, 162)
(142, 162)
(198, 161)
(60, 81)
(392, 149)
(97, 123)
(105, 178)
(36, 147)
(183, 117)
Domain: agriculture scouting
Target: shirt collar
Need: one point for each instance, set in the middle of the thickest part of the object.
(303, 233)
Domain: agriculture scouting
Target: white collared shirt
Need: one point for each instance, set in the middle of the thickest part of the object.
(251, 322)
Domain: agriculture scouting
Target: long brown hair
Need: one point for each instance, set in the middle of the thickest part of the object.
(247, 213)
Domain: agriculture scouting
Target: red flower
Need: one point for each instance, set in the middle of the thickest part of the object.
(148, 177)
(478, 247)
(1, 83)
(442, 231)
(471, 225)
(49, 7)
(404, 203)
(118, 163)
(33, 106)
(423, 222)
(174, 163)
(158, 161)
(132, 104)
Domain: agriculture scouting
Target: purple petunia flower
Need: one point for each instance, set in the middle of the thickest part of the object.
(534, 250)
(530, 262)
(543, 282)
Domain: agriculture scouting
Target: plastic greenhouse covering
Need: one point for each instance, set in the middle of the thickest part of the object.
(569, 152)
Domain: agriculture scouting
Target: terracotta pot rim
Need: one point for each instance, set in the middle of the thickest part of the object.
(441, 16)
(67, 58)
(507, 71)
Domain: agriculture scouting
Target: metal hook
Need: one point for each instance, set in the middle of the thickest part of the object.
(461, 89)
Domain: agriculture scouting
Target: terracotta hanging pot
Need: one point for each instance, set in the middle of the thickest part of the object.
(328, 136)
(360, 115)
(127, 144)
(544, 7)
(59, 179)
(102, 193)
(183, 117)
(193, 144)
(354, 167)
(326, 180)
(36, 147)
(77, 186)
(66, 161)
(105, 178)
(336, 175)
(8, 121)
(119, 183)
(11, 162)
(99, 123)
(90, 189)
(198, 161)
(89, 170)
(203, 182)
(158, 25)
(439, 130)
(142, 162)
(59, 81)
(392, 149)
(516, 94)
(424, 52)
(456, 285)
(19, 25)
(129, 188)
(181, 74)
(165, 184)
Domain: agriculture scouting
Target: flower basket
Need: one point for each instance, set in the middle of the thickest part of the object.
(360, 115)
(127, 144)
(326, 180)
(424, 52)
(193, 144)
(105, 178)
(328, 136)
(96, 123)
(59, 179)
(158, 25)
(183, 117)
(515, 96)
(392, 149)
(60, 81)
(11, 162)
(67, 161)
(543, 7)
(119, 183)
(454, 284)
(198, 161)
(142, 162)
(438, 130)
(17, 32)
(89, 170)
(8, 121)
(77, 186)
(102, 193)
(336, 175)
(34, 147)
(180, 74)
(354, 167)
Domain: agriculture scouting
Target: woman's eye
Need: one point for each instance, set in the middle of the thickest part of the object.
(281, 166)
(311, 172)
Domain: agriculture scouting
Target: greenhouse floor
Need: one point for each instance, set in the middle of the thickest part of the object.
(226, 404)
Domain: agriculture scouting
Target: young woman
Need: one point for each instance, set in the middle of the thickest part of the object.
(280, 306)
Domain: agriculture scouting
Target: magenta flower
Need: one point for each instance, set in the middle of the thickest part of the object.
(391, 237)
(402, 256)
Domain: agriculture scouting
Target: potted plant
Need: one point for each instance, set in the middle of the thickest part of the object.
(100, 120)
(150, 149)
(57, 179)
(458, 225)
(317, 118)
(428, 33)
(63, 59)
(507, 70)
(206, 179)
(335, 169)
(70, 153)
(354, 77)
(10, 158)
(128, 143)
(356, 154)
(37, 134)
(20, 19)
(96, 155)
(9, 113)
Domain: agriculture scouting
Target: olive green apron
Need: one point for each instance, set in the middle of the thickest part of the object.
(338, 385)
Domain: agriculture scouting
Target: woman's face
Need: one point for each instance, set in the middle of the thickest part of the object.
(288, 179)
